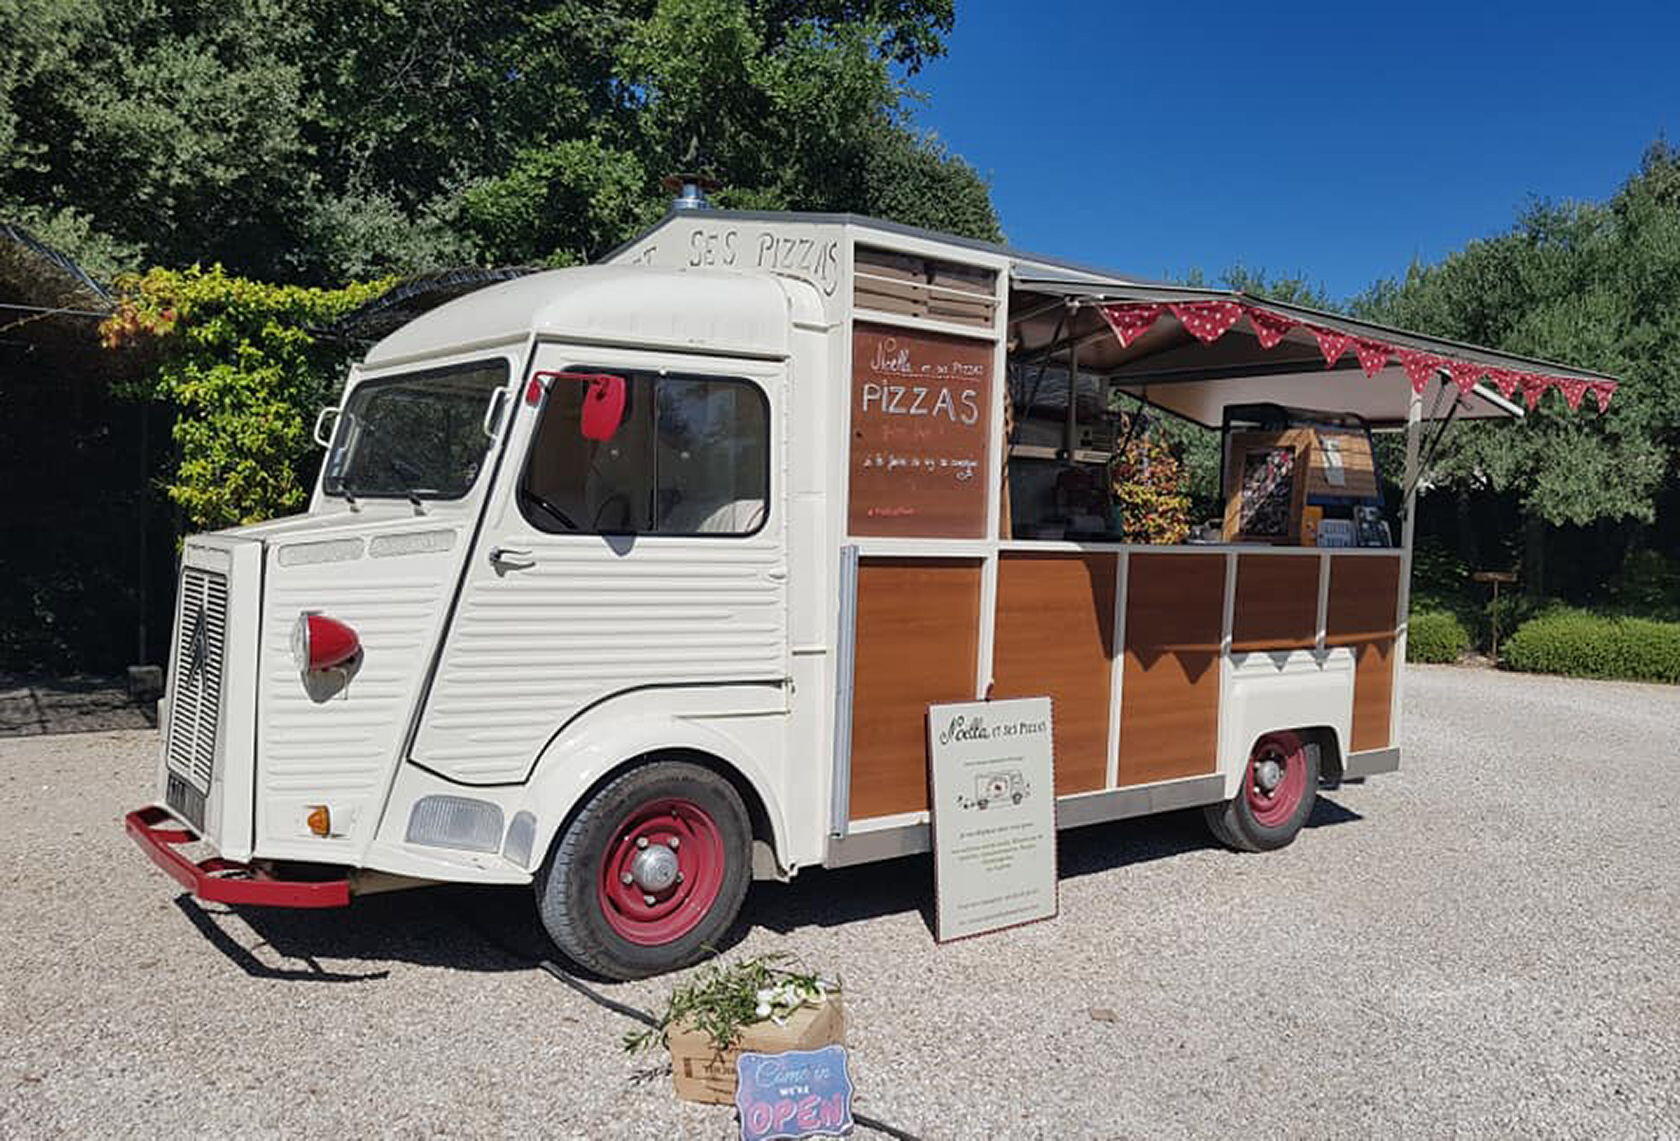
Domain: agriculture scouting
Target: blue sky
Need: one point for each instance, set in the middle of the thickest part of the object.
(1334, 141)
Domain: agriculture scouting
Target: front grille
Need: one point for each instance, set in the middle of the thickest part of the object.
(186, 800)
(195, 702)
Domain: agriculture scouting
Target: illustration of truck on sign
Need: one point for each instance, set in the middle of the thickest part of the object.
(997, 788)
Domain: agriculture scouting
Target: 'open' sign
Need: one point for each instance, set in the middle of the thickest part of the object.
(800, 1093)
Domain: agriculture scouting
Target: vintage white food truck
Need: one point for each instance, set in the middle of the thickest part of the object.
(634, 581)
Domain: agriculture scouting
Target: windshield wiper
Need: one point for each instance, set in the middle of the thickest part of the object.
(408, 472)
(548, 507)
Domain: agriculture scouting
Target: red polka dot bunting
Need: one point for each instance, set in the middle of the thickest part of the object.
(1130, 322)
(1420, 367)
(1269, 327)
(1506, 380)
(1373, 355)
(1331, 343)
(1573, 390)
(1207, 321)
(1465, 374)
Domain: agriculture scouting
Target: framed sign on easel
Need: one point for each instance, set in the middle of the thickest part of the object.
(1266, 486)
(992, 778)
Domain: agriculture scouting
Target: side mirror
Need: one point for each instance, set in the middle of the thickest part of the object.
(603, 406)
(325, 421)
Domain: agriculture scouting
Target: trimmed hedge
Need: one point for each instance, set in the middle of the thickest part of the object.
(1580, 644)
(1435, 636)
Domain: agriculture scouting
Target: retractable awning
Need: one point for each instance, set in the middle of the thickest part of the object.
(1194, 351)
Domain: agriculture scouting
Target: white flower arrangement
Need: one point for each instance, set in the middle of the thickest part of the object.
(722, 999)
(779, 1001)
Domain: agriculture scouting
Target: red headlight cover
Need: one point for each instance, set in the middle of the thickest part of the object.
(320, 643)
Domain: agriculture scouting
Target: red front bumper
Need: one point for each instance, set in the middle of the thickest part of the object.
(216, 880)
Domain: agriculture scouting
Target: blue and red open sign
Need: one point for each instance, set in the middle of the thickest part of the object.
(800, 1093)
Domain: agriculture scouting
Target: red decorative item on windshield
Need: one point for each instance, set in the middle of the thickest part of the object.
(321, 643)
(603, 406)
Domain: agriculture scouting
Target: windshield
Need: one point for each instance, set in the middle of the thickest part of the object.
(419, 435)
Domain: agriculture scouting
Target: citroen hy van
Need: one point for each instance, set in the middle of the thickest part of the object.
(632, 582)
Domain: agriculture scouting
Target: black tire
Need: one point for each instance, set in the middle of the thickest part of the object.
(1234, 823)
(568, 898)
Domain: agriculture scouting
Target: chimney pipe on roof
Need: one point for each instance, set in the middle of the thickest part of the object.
(690, 190)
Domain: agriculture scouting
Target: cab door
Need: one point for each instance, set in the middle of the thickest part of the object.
(650, 552)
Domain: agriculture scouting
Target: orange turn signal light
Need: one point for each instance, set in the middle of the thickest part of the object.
(320, 820)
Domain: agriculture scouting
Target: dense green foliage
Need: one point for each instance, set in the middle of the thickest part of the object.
(323, 141)
(1593, 285)
(1435, 636)
(244, 375)
(312, 143)
(1647, 585)
(1574, 642)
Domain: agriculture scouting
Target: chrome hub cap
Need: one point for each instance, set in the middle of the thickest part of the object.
(655, 868)
(1268, 774)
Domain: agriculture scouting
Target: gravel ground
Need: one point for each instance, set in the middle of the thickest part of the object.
(1485, 944)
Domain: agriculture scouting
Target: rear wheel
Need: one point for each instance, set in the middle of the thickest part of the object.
(650, 873)
(1278, 787)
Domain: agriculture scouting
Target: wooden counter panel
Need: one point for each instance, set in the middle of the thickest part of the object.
(1364, 598)
(1175, 617)
(918, 642)
(1277, 603)
(1055, 635)
(1363, 615)
(1373, 696)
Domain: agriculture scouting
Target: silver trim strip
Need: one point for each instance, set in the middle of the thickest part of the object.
(1119, 803)
(1071, 812)
(845, 659)
(1370, 763)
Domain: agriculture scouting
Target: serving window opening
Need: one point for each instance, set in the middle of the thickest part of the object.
(1101, 446)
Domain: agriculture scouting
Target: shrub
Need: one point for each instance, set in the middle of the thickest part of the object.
(240, 366)
(1581, 644)
(1648, 586)
(1435, 636)
(1437, 571)
(1514, 609)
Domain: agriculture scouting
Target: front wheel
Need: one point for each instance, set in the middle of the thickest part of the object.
(651, 873)
(1278, 787)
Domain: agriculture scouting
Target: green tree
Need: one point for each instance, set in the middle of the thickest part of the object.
(312, 141)
(1581, 284)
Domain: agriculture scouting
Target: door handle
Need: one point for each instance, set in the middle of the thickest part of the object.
(506, 559)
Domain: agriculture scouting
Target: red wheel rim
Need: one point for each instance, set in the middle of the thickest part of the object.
(1276, 779)
(641, 898)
